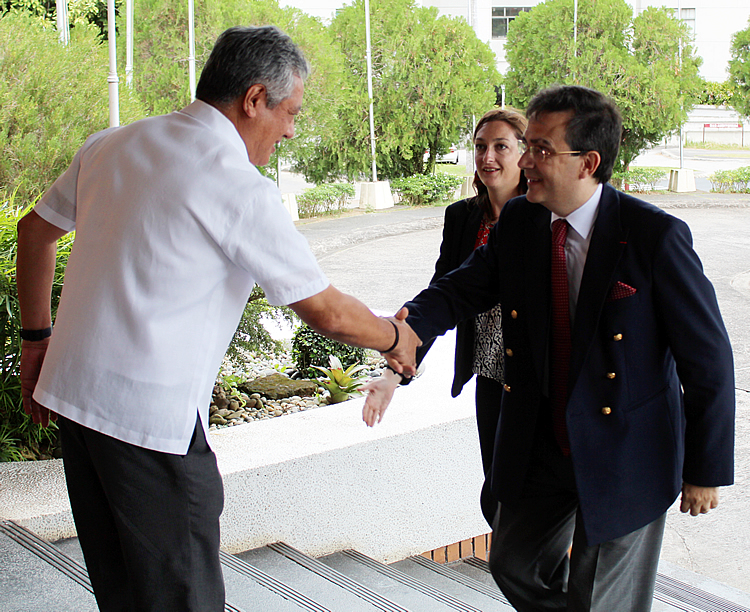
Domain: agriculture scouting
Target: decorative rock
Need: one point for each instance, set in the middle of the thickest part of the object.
(217, 419)
(277, 386)
(234, 405)
(221, 401)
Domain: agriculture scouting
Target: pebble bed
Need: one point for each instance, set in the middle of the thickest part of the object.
(232, 408)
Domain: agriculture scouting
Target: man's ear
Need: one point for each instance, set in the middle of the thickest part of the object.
(255, 95)
(591, 161)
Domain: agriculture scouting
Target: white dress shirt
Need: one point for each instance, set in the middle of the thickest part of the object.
(173, 227)
(581, 222)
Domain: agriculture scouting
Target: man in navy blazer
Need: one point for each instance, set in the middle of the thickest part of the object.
(649, 401)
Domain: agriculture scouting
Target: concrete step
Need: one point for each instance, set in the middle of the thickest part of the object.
(478, 590)
(37, 577)
(317, 580)
(247, 588)
(41, 577)
(403, 588)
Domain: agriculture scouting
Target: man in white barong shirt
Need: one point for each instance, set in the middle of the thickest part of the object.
(174, 225)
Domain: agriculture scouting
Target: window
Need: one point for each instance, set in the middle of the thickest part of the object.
(688, 17)
(501, 18)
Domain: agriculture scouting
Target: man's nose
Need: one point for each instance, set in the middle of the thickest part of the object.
(526, 161)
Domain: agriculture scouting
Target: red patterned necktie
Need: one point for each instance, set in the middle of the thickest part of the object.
(560, 335)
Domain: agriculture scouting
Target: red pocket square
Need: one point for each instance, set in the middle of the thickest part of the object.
(619, 291)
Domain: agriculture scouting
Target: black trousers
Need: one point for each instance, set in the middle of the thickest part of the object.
(487, 395)
(530, 541)
(148, 522)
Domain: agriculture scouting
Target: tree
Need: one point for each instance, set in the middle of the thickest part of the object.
(646, 64)
(80, 12)
(161, 52)
(430, 74)
(739, 70)
(52, 97)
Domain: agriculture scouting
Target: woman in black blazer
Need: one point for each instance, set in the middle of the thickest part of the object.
(479, 342)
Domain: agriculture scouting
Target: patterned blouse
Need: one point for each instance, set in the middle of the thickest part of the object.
(488, 332)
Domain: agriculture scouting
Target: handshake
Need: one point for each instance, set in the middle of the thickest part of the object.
(402, 355)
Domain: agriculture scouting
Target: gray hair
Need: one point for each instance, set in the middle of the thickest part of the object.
(246, 56)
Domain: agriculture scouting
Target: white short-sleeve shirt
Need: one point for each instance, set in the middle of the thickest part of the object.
(173, 227)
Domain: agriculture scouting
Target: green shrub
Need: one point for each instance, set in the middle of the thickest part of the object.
(640, 178)
(742, 178)
(324, 199)
(716, 94)
(731, 181)
(309, 348)
(250, 334)
(20, 438)
(423, 189)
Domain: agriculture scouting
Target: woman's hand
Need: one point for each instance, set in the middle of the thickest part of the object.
(379, 393)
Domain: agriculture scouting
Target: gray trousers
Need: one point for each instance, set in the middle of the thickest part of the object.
(148, 522)
(530, 541)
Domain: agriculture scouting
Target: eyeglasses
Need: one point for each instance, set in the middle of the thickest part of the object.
(542, 153)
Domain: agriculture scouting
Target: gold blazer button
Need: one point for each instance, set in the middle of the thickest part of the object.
(617, 337)
(606, 410)
(507, 388)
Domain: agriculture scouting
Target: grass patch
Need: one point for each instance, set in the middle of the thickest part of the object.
(717, 146)
(455, 170)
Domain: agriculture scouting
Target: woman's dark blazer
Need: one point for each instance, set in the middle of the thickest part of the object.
(462, 221)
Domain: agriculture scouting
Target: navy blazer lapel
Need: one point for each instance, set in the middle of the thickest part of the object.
(607, 245)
